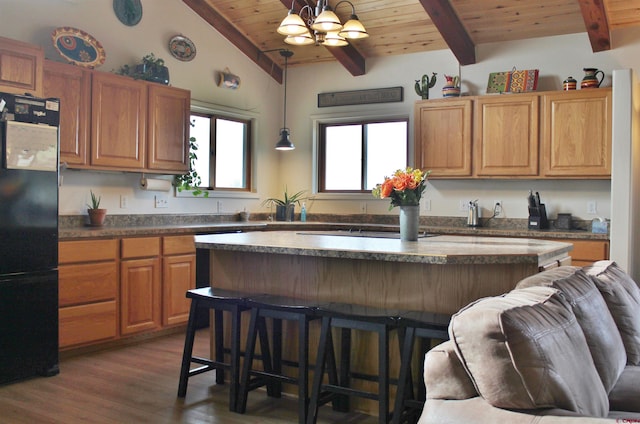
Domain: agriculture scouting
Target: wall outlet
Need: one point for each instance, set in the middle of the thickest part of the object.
(427, 205)
(592, 207)
(497, 208)
(219, 206)
(124, 202)
(463, 206)
(161, 201)
(363, 207)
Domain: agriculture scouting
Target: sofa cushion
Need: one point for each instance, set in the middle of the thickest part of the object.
(625, 395)
(444, 375)
(622, 295)
(526, 350)
(590, 308)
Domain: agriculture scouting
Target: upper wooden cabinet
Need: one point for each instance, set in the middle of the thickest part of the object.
(168, 128)
(506, 136)
(561, 134)
(72, 85)
(443, 137)
(112, 122)
(118, 121)
(577, 138)
(21, 67)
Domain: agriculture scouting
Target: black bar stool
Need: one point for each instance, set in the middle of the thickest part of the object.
(424, 326)
(277, 308)
(349, 317)
(219, 300)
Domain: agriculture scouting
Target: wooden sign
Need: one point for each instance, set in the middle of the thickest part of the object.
(361, 97)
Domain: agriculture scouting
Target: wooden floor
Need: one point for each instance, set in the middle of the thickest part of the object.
(138, 384)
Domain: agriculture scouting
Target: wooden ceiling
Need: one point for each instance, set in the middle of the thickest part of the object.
(411, 26)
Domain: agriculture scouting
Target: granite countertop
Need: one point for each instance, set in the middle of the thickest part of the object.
(438, 249)
(74, 227)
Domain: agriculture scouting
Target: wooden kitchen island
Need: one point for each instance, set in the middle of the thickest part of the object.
(438, 274)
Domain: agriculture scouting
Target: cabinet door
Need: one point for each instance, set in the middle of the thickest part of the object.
(576, 139)
(168, 129)
(21, 67)
(72, 85)
(140, 295)
(443, 137)
(118, 122)
(178, 276)
(506, 136)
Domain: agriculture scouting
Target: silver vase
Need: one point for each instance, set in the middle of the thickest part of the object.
(409, 223)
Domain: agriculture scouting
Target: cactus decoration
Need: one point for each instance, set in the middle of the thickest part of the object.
(422, 89)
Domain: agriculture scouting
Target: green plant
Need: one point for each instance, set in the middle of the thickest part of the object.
(422, 90)
(287, 200)
(191, 180)
(95, 201)
(148, 66)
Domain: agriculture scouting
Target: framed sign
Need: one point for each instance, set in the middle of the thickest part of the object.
(361, 97)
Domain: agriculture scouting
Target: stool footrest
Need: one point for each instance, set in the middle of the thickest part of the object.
(348, 391)
(280, 377)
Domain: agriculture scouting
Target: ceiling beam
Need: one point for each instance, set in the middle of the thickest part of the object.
(206, 12)
(450, 27)
(348, 56)
(595, 19)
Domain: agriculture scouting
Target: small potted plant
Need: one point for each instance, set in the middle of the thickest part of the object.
(285, 207)
(191, 180)
(151, 68)
(96, 214)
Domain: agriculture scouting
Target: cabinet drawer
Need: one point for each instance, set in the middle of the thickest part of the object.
(589, 250)
(87, 323)
(87, 283)
(87, 251)
(177, 245)
(141, 247)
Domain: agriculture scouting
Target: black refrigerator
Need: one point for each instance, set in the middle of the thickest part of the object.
(28, 237)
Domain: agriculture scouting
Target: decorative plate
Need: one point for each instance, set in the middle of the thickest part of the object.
(129, 12)
(182, 48)
(78, 47)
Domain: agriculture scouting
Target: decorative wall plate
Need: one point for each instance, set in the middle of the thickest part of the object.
(78, 47)
(129, 12)
(182, 48)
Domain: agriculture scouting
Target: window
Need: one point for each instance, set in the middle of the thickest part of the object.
(223, 156)
(355, 156)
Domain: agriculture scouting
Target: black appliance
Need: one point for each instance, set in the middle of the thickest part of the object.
(28, 237)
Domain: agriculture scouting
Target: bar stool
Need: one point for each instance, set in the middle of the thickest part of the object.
(349, 317)
(219, 300)
(424, 326)
(278, 308)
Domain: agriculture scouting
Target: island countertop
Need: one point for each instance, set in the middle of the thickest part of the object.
(436, 249)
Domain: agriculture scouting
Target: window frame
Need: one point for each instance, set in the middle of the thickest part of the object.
(362, 121)
(249, 122)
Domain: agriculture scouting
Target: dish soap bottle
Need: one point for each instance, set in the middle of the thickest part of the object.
(303, 212)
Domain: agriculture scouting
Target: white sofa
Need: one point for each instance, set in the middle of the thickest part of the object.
(563, 347)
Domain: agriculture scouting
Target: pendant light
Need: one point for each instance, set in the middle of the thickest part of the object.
(285, 143)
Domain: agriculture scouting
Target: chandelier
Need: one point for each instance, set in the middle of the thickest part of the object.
(320, 26)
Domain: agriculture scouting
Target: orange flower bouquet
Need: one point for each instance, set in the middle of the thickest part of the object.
(404, 187)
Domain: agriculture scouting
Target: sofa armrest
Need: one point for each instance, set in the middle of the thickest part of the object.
(444, 375)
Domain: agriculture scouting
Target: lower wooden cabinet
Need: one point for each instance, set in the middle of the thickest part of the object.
(586, 252)
(178, 276)
(88, 291)
(120, 287)
(140, 289)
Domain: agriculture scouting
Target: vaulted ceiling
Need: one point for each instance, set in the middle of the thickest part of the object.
(411, 26)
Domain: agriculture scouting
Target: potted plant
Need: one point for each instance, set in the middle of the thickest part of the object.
(285, 207)
(96, 214)
(191, 180)
(151, 68)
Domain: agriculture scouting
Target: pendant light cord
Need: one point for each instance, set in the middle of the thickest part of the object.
(286, 54)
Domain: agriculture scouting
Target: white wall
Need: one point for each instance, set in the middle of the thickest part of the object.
(556, 57)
